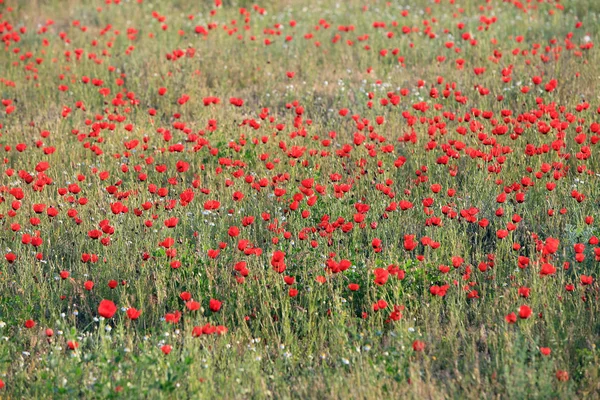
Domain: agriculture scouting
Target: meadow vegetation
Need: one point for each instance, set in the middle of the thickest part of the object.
(299, 199)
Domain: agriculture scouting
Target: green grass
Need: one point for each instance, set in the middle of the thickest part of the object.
(327, 341)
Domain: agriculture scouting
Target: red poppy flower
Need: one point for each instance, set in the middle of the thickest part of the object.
(562, 375)
(133, 314)
(214, 305)
(353, 287)
(511, 318)
(418, 345)
(545, 351)
(107, 309)
(524, 312)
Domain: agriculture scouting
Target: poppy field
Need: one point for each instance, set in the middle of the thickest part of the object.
(299, 199)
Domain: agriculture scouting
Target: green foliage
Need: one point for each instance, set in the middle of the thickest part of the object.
(327, 341)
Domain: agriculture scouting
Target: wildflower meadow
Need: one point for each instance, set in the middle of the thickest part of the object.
(328, 199)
